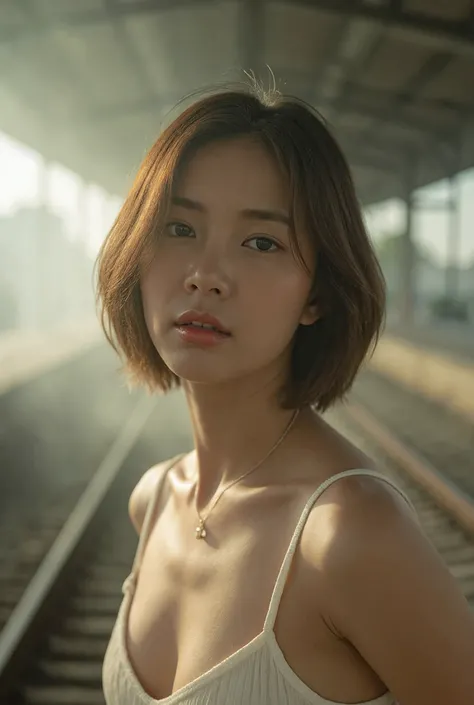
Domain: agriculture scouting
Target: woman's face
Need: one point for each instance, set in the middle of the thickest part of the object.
(225, 252)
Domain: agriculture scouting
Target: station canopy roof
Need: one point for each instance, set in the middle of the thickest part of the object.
(87, 82)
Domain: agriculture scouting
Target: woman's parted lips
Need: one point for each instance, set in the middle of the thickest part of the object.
(201, 317)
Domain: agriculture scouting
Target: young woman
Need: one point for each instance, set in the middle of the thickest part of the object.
(275, 565)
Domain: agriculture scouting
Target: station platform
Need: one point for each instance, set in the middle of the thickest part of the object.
(453, 339)
(434, 364)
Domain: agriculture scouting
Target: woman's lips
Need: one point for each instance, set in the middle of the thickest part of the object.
(201, 318)
(206, 336)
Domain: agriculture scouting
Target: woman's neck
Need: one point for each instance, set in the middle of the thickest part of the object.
(233, 430)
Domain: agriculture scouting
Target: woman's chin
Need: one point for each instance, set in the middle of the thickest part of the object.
(198, 371)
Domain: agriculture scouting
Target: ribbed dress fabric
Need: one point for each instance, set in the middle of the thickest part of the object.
(257, 674)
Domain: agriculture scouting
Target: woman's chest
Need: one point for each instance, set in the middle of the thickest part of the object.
(197, 603)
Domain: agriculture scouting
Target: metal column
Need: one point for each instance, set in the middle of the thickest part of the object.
(453, 241)
(30, 231)
(252, 36)
(408, 259)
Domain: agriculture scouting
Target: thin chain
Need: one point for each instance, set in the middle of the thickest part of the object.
(245, 474)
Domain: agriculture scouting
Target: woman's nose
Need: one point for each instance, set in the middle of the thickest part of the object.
(208, 275)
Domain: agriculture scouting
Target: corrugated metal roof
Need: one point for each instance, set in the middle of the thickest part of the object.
(87, 83)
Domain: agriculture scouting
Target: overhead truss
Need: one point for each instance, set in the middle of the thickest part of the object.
(443, 34)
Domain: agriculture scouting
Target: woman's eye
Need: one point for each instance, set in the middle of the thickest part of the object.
(179, 230)
(263, 244)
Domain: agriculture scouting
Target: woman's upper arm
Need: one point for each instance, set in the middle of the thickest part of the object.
(392, 597)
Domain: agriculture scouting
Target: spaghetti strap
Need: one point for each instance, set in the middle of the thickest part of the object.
(285, 567)
(147, 522)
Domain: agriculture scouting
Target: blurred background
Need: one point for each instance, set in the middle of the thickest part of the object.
(85, 86)
(84, 89)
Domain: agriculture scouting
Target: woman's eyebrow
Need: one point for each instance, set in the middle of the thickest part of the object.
(247, 213)
(265, 214)
(188, 203)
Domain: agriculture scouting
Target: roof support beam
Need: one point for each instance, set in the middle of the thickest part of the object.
(346, 106)
(355, 45)
(434, 32)
(418, 129)
(381, 150)
(375, 97)
(89, 18)
(30, 91)
(439, 34)
(372, 159)
(128, 46)
(426, 73)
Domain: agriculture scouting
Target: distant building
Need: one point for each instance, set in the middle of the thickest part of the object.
(45, 279)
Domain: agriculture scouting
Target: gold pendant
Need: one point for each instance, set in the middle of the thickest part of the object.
(200, 530)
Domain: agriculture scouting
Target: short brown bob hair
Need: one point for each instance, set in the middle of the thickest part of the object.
(348, 284)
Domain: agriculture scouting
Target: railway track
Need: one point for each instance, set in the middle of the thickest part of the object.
(429, 452)
(67, 669)
(433, 500)
(48, 454)
(53, 640)
(56, 657)
(441, 436)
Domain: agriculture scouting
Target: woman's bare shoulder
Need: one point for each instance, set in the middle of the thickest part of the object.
(143, 492)
(382, 576)
(353, 508)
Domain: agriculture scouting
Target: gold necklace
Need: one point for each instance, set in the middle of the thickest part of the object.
(201, 532)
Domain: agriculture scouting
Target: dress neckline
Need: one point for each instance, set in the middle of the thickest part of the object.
(265, 636)
(198, 682)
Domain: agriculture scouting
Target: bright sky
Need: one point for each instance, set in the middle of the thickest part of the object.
(431, 228)
(20, 168)
(86, 209)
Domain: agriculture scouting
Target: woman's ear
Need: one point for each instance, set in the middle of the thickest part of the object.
(310, 314)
